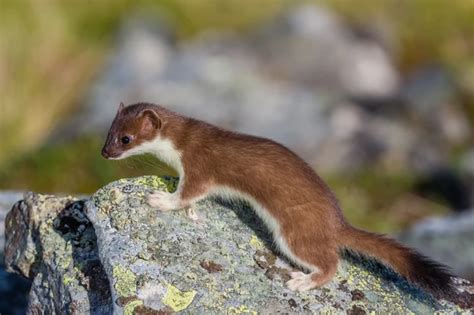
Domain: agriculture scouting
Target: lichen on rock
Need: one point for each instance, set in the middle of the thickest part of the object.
(177, 299)
(171, 257)
(125, 281)
(130, 307)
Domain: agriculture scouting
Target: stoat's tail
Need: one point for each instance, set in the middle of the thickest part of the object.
(416, 268)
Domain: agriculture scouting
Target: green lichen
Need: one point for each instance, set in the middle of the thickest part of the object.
(116, 196)
(172, 184)
(160, 183)
(66, 260)
(111, 194)
(364, 280)
(256, 243)
(68, 280)
(125, 281)
(242, 309)
(178, 300)
(130, 307)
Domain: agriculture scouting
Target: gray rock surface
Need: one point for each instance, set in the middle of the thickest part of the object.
(13, 288)
(7, 199)
(165, 262)
(448, 240)
(50, 240)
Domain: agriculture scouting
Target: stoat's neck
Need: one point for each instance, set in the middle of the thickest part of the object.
(165, 150)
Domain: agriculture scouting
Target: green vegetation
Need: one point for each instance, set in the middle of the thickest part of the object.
(381, 200)
(50, 51)
(75, 167)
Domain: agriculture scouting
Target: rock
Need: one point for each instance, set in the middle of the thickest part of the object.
(13, 288)
(50, 240)
(7, 199)
(431, 95)
(162, 263)
(448, 240)
(311, 45)
(359, 139)
(141, 55)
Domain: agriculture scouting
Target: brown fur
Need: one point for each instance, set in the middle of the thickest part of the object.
(310, 219)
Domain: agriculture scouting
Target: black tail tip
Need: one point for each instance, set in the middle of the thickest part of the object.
(438, 280)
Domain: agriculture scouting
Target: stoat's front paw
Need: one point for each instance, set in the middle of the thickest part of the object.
(163, 201)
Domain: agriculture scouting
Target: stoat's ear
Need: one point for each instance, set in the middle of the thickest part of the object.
(120, 108)
(151, 118)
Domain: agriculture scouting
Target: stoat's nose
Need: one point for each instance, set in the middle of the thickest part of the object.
(105, 153)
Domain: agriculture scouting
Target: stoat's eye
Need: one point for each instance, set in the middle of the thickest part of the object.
(125, 140)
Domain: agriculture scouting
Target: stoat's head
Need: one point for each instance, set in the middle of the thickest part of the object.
(133, 126)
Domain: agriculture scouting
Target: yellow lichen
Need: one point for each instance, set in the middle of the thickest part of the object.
(130, 307)
(177, 299)
(116, 196)
(158, 183)
(242, 309)
(125, 283)
(68, 280)
(255, 242)
(171, 185)
(66, 260)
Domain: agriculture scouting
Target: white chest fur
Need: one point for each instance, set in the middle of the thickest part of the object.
(164, 149)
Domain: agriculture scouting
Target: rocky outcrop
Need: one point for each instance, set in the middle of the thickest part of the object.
(13, 288)
(127, 258)
(50, 240)
(7, 199)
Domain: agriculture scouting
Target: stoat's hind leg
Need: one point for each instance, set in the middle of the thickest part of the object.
(319, 256)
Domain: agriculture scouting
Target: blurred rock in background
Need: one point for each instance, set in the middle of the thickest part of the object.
(310, 45)
(301, 80)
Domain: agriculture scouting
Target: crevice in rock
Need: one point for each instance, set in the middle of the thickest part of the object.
(74, 226)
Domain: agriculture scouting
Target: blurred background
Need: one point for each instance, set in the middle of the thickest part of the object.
(377, 95)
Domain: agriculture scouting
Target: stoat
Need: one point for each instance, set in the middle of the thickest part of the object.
(298, 208)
